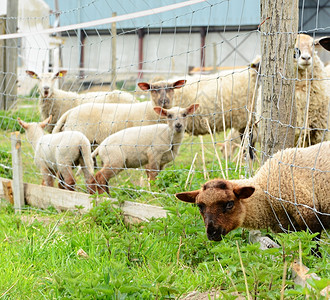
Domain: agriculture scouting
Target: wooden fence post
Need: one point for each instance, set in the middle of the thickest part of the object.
(113, 54)
(18, 186)
(11, 54)
(2, 65)
(278, 27)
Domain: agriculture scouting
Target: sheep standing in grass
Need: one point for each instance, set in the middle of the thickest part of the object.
(56, 102)
(153, 145)
(289, 192)
(224, 99)
(97, 121)
(55, 154)
(311, 91)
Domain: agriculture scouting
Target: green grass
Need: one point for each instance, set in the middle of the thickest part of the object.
(162, 259)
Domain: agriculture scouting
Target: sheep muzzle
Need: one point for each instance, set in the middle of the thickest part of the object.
(215, 233)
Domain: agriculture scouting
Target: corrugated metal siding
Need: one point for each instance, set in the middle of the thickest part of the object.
(210, 13)
(315, 15)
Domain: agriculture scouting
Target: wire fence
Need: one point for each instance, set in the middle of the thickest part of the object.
(81, 64)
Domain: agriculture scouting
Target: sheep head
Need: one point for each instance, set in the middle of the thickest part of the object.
(34, 130)
(176, 116)
(304, 49)
(162, 92)
(220, 204)
(46, 81)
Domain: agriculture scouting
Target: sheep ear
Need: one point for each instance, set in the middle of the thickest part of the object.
(60, 73)
(324, 42)
(192, 108)
(160, 111)
(189, 197)
(45, 122)
(32, 74)
(22, 123)
(145, 86)
(179, 84)
(243, 192)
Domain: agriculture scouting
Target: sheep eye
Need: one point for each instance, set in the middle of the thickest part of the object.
(201, 207)
(170, 116)
(184, 115)
(229, 205)
(297, 53)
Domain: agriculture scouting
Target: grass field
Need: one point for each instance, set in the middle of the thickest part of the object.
(49, 255)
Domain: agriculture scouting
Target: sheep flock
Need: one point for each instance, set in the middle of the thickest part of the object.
(287, 193)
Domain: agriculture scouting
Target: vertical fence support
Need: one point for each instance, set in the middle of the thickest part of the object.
(114, 53)
(18, 186)
(278, 26)
(11, 54)
(2, 65)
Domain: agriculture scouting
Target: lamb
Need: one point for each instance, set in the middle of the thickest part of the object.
(97, 121)
(55, 102)
(311, 91)
(289, 192)
(227, 96)
(153, 145)
(57, 153)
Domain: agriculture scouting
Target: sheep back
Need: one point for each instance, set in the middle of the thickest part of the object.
(228, 96)
(294, 186)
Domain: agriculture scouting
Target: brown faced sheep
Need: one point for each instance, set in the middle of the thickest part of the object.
(289, 192)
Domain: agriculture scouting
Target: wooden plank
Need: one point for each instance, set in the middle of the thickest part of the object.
(43, 197)
(17, 185)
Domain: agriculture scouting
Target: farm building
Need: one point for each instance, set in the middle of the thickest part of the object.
(216, 34)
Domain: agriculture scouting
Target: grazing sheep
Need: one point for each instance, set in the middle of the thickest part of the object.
(289, 192)
(97, 121)
(56, 102)
(227, 96)
(153, 145)
(311, 91)
(57, 153)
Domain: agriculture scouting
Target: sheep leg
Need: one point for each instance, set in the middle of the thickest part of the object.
(87, 174)
(153, 166)
(47, 177)
(100, 183)
(66, 179)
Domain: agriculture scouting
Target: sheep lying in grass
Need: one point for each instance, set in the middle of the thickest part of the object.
(56, 154)
(56, 102)
(97, 121)
(224, 99)
(153, 145)
(289, 192)
(311, 91)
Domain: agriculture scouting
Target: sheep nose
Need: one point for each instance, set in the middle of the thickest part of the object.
(46, 88)
(178, 125)
(305, 57)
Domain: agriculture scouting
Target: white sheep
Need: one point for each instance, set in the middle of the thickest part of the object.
(225, 99)
(289, 192)
(97, 121)
(56, 154)
(311, 91)
(153, 145)
(55, 102)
